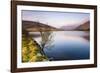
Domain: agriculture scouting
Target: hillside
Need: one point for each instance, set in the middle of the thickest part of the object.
(36, 26)
(68, 28)
(84, 26)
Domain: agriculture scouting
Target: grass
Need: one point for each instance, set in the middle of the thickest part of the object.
(31, 51)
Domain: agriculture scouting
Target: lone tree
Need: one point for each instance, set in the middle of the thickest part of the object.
(46, 38)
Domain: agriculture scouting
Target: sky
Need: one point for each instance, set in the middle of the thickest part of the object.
(56, 19)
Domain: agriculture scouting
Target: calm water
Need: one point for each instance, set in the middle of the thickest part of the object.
(68, 45)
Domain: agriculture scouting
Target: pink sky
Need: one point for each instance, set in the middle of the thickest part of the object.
(56, 19)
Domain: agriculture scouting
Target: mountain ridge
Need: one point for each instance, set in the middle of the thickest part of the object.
(36, 26)
(83, 26)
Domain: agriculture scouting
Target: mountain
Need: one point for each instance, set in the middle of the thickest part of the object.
(72, 27)
(84, 26)
(36, 26)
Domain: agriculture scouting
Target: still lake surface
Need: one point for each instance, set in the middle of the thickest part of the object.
(68, 45)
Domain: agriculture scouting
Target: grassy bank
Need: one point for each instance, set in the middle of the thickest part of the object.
(31, 51)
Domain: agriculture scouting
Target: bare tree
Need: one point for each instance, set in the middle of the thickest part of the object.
(46, 38)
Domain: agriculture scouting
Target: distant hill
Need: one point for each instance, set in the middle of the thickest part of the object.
(84, 26)
(72, 27)
(36, 26)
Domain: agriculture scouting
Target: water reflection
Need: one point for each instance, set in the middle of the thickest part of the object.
(68, 45)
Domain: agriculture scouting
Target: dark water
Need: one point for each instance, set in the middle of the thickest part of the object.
(68, 45)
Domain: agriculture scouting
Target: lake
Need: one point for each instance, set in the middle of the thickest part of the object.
(68, 45)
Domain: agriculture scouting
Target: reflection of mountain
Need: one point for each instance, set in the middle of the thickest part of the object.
(84, 26)
(36, 26)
